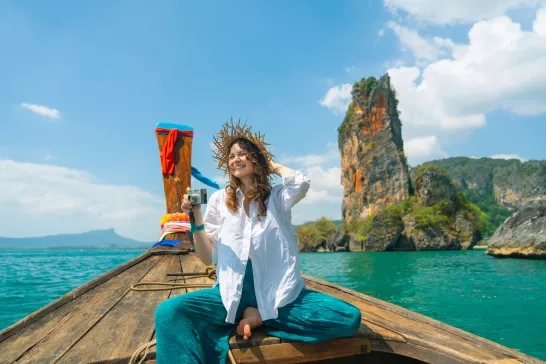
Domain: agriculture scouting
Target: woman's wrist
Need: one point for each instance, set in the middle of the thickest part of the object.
(273, 167)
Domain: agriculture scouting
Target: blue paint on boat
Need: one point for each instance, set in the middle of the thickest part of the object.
(170, 126)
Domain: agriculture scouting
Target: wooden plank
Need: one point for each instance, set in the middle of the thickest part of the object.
(415, 330)
(17, 345)
(367, 330)
(189, 264)
(48, 338)
(70, 296)
(172, 293)
(375, 332)
(414, 351)
(287, 353)
(128, 325)
(478, 341)
(177, 279)
(258, 338)
(412, 330)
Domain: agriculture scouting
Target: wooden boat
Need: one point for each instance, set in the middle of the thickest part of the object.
(111, 318)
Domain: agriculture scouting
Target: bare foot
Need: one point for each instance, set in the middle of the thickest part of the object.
(251, 320)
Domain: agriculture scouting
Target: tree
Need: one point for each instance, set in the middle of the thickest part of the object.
(326, 229)
(307, 237)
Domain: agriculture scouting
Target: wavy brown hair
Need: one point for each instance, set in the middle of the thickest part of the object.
(260, 187)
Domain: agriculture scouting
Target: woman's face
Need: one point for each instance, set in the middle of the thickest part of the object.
(240, 162)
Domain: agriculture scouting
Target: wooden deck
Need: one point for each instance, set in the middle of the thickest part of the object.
(105, 321)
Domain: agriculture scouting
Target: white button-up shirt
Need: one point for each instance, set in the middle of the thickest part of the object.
(270, 242)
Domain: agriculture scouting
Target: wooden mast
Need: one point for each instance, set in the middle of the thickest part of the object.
(176, 183)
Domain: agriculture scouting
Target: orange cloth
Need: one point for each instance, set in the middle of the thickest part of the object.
(167, 152)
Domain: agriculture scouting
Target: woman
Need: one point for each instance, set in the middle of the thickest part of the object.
(247, 232)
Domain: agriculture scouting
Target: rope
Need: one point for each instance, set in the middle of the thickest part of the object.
(144, 348)
(209, 272)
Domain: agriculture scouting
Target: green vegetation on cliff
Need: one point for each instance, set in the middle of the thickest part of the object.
(361, 93)
(496, 186)
(440, 217)
(437, 217)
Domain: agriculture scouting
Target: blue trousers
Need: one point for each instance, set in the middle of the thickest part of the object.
(191, 328)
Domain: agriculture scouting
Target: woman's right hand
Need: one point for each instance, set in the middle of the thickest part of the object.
(187, 206)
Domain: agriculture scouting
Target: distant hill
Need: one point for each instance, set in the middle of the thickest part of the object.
(496, 186)
(95, 239)
(337, 223)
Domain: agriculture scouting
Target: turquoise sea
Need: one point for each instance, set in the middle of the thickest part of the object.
(500, 299)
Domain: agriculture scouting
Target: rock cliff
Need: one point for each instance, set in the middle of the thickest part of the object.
(496, 186)
(382, 208)
(523, 234)
(374, 168)
(437, 217)
(509, 181)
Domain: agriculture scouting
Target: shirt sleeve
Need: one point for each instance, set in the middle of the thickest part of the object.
(211, 220)
(295, 187)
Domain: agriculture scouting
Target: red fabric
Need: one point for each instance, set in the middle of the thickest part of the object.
(167, 152)
(182, 132)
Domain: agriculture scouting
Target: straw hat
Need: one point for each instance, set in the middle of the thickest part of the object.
(230, 133)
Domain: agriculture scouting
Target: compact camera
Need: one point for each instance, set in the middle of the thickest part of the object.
(197, 197)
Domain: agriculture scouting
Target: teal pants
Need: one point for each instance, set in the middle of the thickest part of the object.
(191, 328)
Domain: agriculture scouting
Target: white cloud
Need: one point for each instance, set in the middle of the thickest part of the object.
(457, 11)
(508, 156)
(338, 98)
(420, 149)
(43, 199)
(326, 192)
(539, 25)
(423, 49)
(42, 110)
(331, 154)
(502, 67)
(325, 184)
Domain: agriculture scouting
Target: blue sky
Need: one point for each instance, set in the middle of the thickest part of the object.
(84, 83)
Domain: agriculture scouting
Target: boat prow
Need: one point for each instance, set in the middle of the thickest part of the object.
(111, 318)
(108, 319)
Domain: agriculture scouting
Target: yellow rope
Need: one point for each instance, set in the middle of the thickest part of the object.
(144, 348)
(169, 286)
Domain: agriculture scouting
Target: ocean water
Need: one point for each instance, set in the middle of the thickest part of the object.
(500, 299)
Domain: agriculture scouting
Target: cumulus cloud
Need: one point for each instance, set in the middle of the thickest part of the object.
(423, 49)
(501, 68)
(508, 156)
(338, 98)
(42, 110)
(456, 11)
(43, 199)
(451, 87)
(331, 154)
(326, 192)
(421, 149)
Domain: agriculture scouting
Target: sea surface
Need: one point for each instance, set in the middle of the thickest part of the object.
(503, 300)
